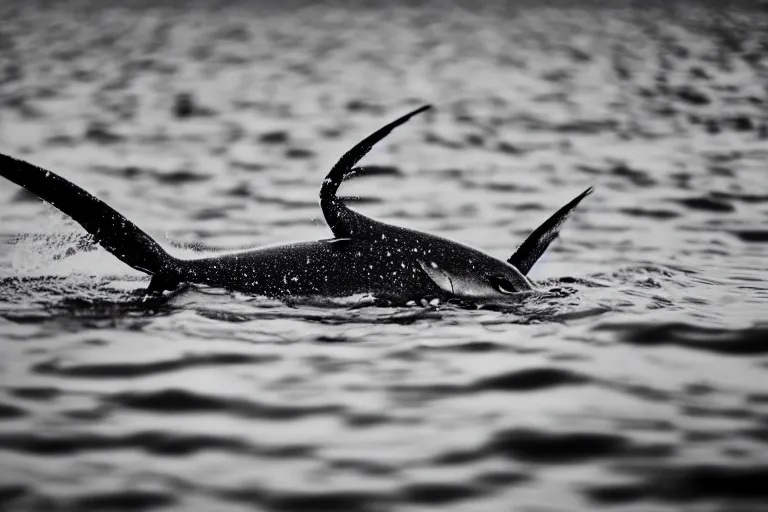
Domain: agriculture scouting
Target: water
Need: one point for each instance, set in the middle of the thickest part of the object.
(646, 389)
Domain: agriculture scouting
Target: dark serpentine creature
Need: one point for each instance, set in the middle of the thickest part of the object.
(364, 257)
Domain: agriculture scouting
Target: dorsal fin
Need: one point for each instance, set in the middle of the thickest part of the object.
(537, 242)
(341, 219)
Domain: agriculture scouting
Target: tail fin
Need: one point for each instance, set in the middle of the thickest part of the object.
(111, 230)
(537, 242)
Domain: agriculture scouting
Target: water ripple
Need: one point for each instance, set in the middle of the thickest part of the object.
(635, 380)
(687, 484)
(134, 370)
(176, 401)
(159, 443)
(530, 379)
(735, 342)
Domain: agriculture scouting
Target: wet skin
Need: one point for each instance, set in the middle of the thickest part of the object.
(366, 257)
(392, 264)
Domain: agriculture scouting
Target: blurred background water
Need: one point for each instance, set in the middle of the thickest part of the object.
(212, 125)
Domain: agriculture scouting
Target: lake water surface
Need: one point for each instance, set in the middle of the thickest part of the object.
(212, 128)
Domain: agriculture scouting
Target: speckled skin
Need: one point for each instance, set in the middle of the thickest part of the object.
(388, 265)
(366, 257)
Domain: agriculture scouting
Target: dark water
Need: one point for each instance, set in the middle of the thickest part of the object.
(647, 389)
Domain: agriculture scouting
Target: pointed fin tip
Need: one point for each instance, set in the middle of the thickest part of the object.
(576, 200)
(421, 109)
(538, 241)
(344, 167)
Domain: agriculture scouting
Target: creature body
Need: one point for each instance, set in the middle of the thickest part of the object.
(366, 257)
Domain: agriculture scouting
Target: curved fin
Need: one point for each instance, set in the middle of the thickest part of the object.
(537, 242)
(337, 215)
(109, 228)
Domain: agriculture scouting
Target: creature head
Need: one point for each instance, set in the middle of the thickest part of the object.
(469, 273)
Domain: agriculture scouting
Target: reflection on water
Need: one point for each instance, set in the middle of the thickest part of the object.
(640, 385)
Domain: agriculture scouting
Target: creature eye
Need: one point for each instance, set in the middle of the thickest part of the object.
(501, 285)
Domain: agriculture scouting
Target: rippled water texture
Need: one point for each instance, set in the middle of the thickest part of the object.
(646, 389)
